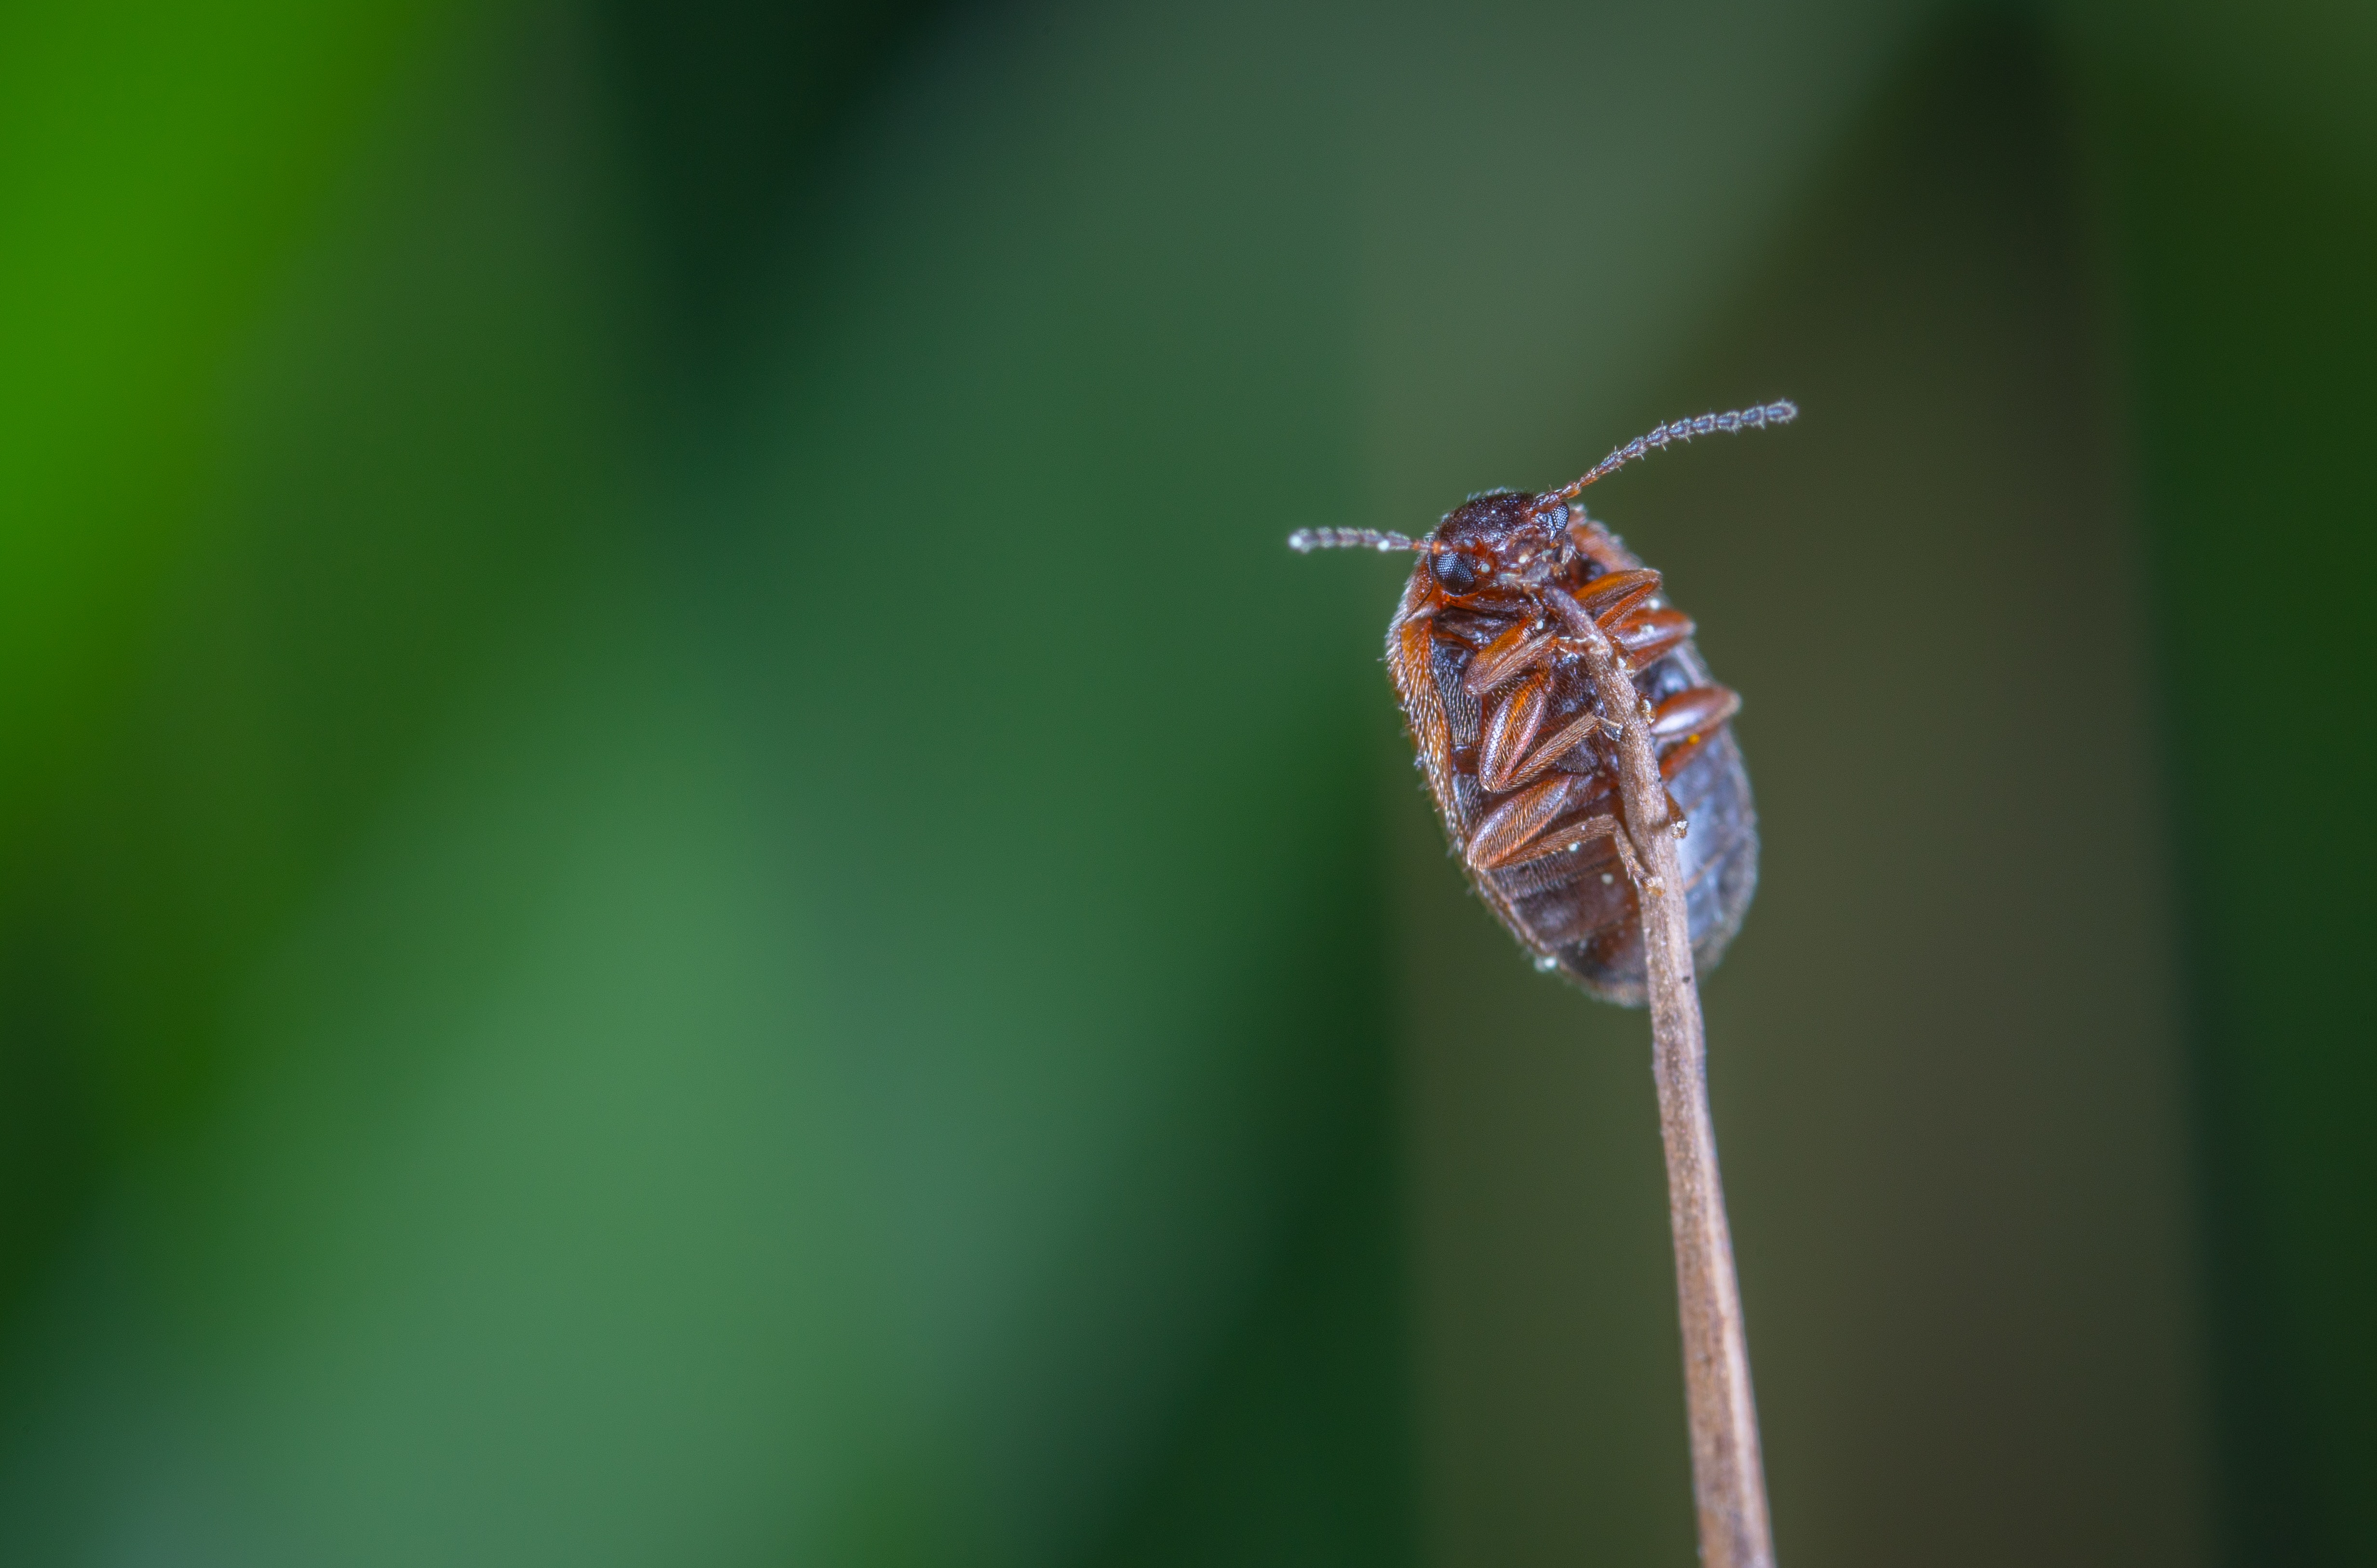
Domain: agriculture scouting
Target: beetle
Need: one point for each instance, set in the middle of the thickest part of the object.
(1519, 747)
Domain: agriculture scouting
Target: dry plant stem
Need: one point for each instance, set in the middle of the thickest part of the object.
(1729, 1475)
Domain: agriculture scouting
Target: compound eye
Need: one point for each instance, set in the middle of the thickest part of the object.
(1456, 572)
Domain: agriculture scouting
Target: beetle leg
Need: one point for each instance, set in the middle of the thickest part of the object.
(1691, 714)
(1519, 648)
(1509, 731)
(1614, 593)
(1511, 826)
(1593, 827)
(1646, 636)
(1596, 543)
(1561, 741)
(1573, 836)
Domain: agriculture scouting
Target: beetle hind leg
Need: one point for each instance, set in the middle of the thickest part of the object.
(1517, 833)
(1576, 835)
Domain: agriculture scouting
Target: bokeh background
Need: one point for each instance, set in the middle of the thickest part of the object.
(685, 880)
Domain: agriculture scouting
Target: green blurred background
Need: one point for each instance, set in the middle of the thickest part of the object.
(684, 878)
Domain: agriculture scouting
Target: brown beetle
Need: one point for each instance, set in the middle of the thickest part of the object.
(1515, 739)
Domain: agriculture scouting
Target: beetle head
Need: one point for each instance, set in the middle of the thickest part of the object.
(1500, 536)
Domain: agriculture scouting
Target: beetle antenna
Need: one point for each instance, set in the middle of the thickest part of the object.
(1782, 411)
(1304, 541)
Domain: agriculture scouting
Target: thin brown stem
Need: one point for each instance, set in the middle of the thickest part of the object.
(1729, 1475)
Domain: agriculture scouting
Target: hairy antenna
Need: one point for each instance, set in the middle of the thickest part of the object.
(1779, 412)
(1304, 541)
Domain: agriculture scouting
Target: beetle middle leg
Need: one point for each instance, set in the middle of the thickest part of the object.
(1692, 713)
(1558, 744)
(1510, 731)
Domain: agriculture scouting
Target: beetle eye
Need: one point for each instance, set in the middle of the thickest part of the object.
(1457, 572)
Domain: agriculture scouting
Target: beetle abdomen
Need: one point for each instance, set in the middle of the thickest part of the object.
(1578, 909)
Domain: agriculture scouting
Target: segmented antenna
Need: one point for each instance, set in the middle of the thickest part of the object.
(1304, 541)
(1780, 412)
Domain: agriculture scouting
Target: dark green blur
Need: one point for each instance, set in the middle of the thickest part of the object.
(685, 878)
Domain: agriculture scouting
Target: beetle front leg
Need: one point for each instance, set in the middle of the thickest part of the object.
(1508, 656)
